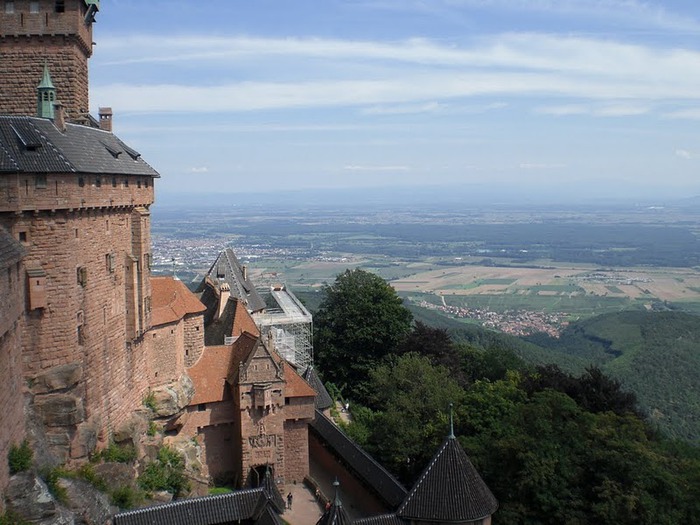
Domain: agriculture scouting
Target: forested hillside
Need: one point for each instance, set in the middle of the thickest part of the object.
(656, 355)
(554, 446)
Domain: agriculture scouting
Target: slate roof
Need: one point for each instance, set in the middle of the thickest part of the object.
(384, 519)
(449, 490)
(323, 398)
(35, 145)
(171, 300)
(259, 506)
(209, 510)
(227, 269)
(367, 469)
(11, 251)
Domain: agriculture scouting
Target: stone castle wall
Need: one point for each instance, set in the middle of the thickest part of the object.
(165, 360)
(11, 398)
(193, 338)
(28, 40)
(296, 450)
(85, 256)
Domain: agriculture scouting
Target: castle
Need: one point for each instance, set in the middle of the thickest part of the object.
(88, 336)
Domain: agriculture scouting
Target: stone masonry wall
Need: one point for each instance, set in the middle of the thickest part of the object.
(194, 338)
(28, 40)
(11, 397)
(83, 253)
(296, 450)
(165, 360)
(213, 425)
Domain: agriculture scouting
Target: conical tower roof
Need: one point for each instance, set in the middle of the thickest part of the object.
(449, 490)
(335, 514)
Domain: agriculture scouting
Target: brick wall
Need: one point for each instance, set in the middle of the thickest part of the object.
(11, 399)
(28, 40)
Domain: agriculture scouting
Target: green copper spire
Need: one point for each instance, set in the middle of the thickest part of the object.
(337, 501)
(46, 95)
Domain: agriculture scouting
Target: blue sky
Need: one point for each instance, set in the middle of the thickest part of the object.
(594, 97)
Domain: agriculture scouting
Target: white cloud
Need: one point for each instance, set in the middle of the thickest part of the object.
(685, 154)
(541, 166)
(428, 107)
(356, 167)
(411, 76)
(202, 169)
(692, 113)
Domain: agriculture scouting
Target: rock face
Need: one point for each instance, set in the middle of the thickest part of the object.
(172, 398)
(60, 410)
(89, 506)
(29, 497)
(58, 378)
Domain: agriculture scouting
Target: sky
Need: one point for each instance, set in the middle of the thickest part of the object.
(553, 97)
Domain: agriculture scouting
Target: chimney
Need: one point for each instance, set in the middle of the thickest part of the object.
(244, 271)
(59, 116)
(224, 294)
(105, 119)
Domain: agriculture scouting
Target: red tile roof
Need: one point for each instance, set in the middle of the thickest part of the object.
(171, 300)
(296, 386)
(242, 321)
(217, 363)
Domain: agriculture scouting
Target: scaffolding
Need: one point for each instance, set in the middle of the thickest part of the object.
(290, 324)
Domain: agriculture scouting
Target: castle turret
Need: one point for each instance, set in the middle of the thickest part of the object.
(34, 33)
(46, 96)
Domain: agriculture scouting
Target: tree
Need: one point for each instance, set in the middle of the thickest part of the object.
(412, 398)
(360, 321)
(437, 345)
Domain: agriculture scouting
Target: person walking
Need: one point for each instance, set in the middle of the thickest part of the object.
(289, 501)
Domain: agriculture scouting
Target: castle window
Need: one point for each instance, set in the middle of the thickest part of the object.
(110, 261)
(98, 182)
(81, 274)
(34, 7)
(126, 183)
(81, 182)
(22, 237)
(9, 7)
(81, 335)
(114, 182)
(40, 181)
(138, 183)
(201, 407)
(145, 182)
(60, 6)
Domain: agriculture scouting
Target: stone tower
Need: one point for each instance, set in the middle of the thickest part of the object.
(55, 33)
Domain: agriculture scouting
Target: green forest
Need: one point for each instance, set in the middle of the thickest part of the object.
(567, 431)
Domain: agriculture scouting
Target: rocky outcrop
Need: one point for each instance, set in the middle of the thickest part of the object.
(88, 505)
(170, 399)
(60, 410)
(29, 497)
(58, 378)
